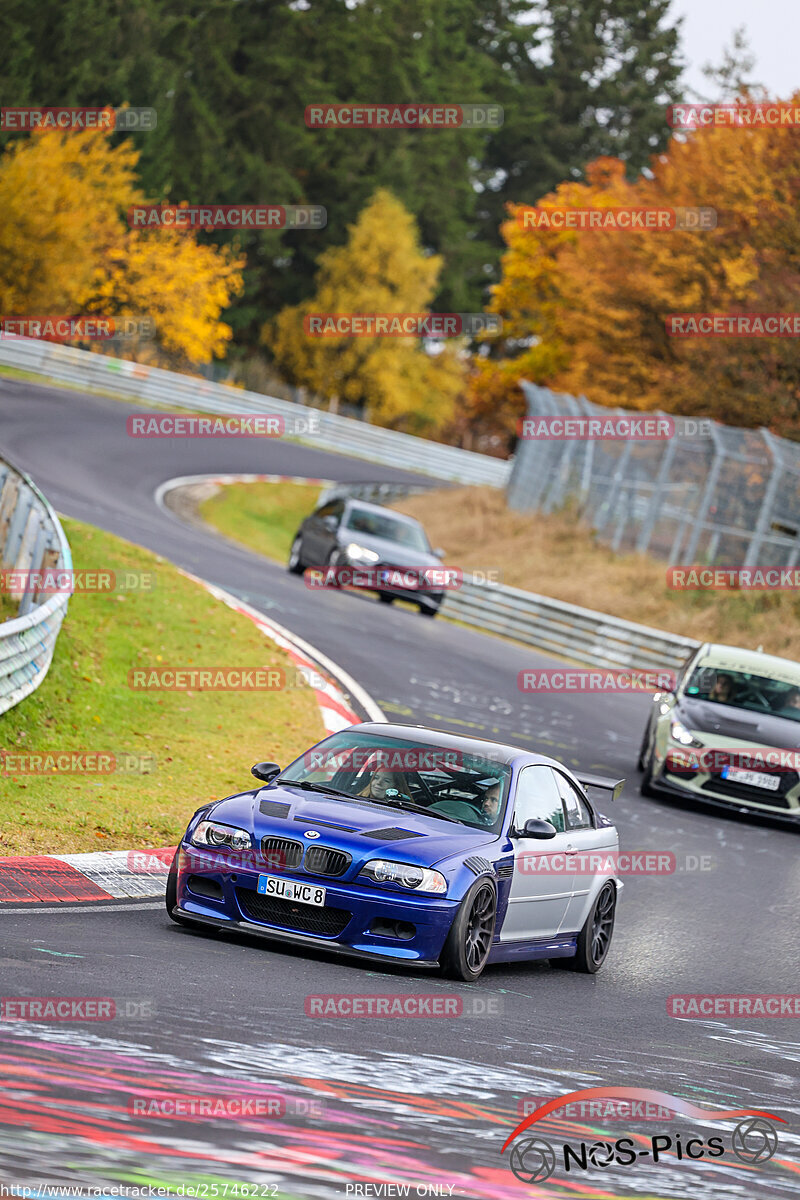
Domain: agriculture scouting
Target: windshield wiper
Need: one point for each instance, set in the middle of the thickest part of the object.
(309, 786)
(420, 808)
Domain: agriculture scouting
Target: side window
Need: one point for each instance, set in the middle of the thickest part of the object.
(334, 508)
(578, 815)
(538, 796)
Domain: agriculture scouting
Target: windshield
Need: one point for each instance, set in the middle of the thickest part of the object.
(449, 784)
(755, 693)
(380, 525)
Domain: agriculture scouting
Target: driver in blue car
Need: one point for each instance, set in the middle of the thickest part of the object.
(490, 804)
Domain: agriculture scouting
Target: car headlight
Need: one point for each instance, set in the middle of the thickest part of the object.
(680, 733)
(418, 879)
(360, 553)
(211, 833)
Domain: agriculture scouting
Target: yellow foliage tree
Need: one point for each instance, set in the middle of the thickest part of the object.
(66, 249)
(381, 269)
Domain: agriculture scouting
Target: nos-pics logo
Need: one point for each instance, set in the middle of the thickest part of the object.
(534, 1160)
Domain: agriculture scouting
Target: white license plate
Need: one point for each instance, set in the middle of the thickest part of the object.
(752, 778)
(290, 889)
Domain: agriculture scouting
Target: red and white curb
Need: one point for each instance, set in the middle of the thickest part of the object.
(132, 874)
(180, 481)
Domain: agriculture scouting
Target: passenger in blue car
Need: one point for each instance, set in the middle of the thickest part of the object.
(381, 781)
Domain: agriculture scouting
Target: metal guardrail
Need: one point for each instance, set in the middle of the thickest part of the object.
(586, 637)
(151, 385)
(31, 538)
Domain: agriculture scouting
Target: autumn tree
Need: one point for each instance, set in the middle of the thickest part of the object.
(585, 311)
(382, 268)
(66, 248)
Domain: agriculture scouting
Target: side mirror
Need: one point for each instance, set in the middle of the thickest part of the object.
(439, 552)
(330, 523)
(265, 771)
(537, 828)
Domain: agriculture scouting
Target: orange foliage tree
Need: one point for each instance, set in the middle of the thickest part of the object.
(585, 311)
(66, 249)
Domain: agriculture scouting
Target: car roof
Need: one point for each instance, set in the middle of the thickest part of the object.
(751, 662)
(381, 509)
(499, 752)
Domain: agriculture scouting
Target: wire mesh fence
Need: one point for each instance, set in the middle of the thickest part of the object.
(710, 494)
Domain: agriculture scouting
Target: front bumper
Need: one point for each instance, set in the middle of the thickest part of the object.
(668, 784)
(357, 919)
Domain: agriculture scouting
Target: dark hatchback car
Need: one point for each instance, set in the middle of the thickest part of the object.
(390, 552)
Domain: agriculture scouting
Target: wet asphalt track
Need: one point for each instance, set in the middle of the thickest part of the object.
(407, 1101)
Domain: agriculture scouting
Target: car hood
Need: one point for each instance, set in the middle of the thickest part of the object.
(756, 729)
(364, 830)
(391, 552)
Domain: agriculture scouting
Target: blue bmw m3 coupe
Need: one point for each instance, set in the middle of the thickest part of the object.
(410, 845)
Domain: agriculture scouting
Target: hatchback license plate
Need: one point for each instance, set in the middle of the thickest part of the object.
(290, 889)
(752, 778)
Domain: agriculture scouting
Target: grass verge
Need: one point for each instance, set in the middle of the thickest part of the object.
(200, 744)
(262, 516)
(555, 555)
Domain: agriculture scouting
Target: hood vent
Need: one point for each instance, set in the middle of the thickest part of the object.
(327, 824)
(273, 808)
(392, 834)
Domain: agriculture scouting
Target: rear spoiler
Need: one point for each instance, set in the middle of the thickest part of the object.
(614, 786)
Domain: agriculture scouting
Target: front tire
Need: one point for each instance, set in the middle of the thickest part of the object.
(646, 785)
(171, 894)
(594, 939)
(642, 759)
(469, 941)
(295, 563)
